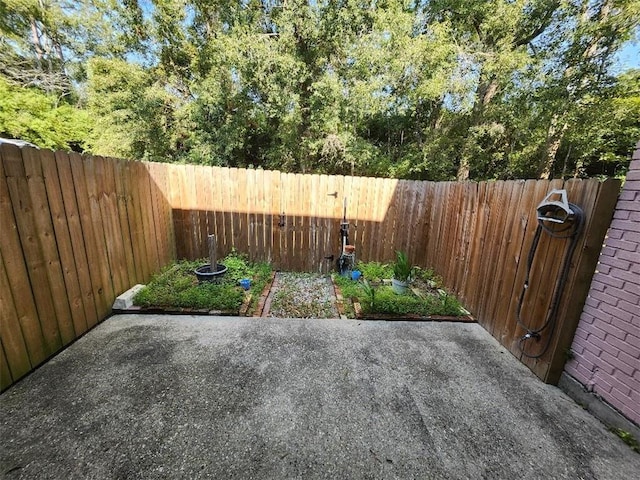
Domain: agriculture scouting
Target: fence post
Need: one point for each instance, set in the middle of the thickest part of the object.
(569, 316)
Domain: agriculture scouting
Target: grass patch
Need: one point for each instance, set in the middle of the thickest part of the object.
(176, 286)
(376, 298)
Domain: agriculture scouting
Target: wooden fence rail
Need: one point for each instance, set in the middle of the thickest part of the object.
(78, 230)
(75, 232)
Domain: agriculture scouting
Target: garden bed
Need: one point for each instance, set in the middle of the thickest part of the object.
(176, 289)
(372, 297)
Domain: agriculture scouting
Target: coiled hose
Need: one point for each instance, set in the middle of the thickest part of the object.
(572, 230)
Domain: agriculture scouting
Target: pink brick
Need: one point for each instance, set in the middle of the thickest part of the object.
(632, 288)
(635, 268)
(617, 364)
(581, 333)
(622, 244)
(632, 384)
(623, 396)
(592, 302)
(609, 280)
(626, 326)
(633, 216)
(586, 318)
(615, 383)
(624, 226)
(613, 233)
(605, 365)
(620, 315)
(630, 185)
(633, 415)
(631, 237)
(626, 194)
(622, 275)
(633, 362)
(577, 349)
(604, 298)
(626, 345)
(622, 214)
(592, 329)
(591, 358)
(624, 296)
(633, 175)
(603, 268)
(627, 205)
(612, 330)
(595, 313)
(633, 257)
(615, 262)
(628, 307)
(579, 372)
(601, 385)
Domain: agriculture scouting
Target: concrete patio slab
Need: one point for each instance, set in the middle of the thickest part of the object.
(215, 397)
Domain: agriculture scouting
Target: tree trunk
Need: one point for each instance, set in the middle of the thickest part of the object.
(555, 134)
(485, 93)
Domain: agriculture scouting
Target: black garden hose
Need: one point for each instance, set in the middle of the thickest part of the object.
(572, 230)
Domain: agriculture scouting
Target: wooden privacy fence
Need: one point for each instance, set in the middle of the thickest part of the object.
(476, 235)
(75, 232)
(78, 230)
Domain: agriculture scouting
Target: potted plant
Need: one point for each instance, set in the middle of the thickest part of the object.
(401, 273)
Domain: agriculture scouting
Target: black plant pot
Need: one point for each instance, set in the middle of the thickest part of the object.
(205, 274)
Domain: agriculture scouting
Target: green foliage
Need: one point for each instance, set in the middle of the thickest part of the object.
(478, 89)
(176, 285)
(40, 118)
(375, 271)
(382, 299)
(402, 267)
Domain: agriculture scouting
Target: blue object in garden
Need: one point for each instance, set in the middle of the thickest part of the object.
(355, 275)
(245, 283)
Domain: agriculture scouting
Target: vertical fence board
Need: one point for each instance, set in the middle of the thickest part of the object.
(136, 229)
(123, 221)
(81, 301)
(88, 278)
(49, 245)
(19, 288)
(23, 213)
(156, 172)
(11, 333)
(89, 209)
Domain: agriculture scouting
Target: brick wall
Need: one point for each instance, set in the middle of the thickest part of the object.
(606, 345)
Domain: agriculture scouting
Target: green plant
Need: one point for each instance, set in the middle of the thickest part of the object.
(177, 287)
(627, 438)
(370, 295)
(375, 271)
(429, 276)
(402, 267)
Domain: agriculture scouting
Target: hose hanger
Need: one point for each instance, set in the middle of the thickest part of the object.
(562, 220)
